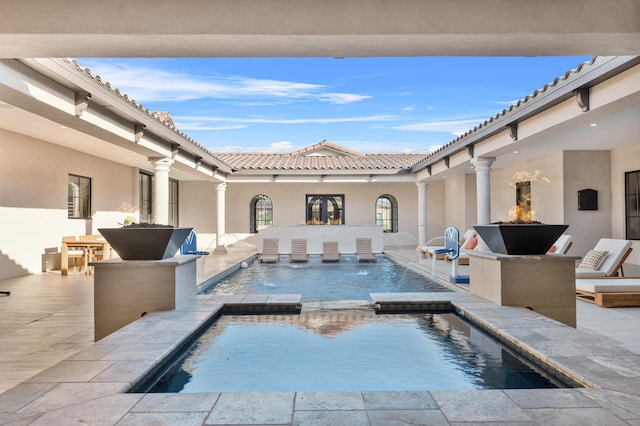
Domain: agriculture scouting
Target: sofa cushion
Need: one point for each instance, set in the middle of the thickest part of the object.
(593, 259)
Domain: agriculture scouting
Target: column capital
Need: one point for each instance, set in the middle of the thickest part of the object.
(161, 163)
(483, 162)
(421, 185)
(222, 186)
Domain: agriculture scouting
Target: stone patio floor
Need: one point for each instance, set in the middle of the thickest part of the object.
(51, 371)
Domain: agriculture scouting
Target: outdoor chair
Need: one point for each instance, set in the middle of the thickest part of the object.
(562, 245)
(270, 247)
(427, 249)
(75, 255)
(299, 250)
(605, 260)
(330, 251)
(364, 252)
(466, 245)
(609, 292)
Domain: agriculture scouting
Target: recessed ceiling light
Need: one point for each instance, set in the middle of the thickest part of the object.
(63, 127)
(516, 152)
(593, 125)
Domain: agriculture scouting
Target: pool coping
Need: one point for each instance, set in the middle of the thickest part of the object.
(91, 385)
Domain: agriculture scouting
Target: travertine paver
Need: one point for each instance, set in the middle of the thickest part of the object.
(574, 417)
(102, 411)
(549, 398)
(399, 400)
(275, 408)
(330, 418)
(167, 402)
(478, 406)
(406, 417)
(194, 418)
(314, 401)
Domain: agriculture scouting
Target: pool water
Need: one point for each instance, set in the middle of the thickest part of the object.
(346, 280)
(353, 350)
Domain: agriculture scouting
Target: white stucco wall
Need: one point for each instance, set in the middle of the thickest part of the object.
(289, 206)
(623, 160)
(587, 169)
(33, 199)
(546, 198)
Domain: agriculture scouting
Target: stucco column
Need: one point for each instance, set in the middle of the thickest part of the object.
(161, 169)
(422, 213)
(221, 189)
(483, 188)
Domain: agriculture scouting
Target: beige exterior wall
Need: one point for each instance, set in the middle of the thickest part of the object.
(546, 198)
(623, 160)
(436, 216)
(289, 207)
(587, 169)
(33, 198)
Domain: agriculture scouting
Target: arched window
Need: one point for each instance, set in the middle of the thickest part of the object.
(387, 213)
(261, 213)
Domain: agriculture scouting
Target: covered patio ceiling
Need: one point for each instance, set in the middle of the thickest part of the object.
(330, 28)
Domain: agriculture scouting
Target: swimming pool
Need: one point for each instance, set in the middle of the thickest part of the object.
(346, 280)
(348, 350)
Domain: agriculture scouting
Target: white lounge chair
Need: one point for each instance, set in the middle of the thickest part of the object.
(428, 249)
(299, 250)
(330, 251)
(605, 260)
(609, 292)
(269, 250)
(364, 252)
(562, 245)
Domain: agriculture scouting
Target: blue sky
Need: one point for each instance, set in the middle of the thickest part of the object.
(364, 104)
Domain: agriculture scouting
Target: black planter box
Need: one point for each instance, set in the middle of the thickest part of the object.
(152, 243)
(520, 239)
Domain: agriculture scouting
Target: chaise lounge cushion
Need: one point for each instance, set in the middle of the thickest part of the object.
(618, 252)
(593, 259)
(609, 285)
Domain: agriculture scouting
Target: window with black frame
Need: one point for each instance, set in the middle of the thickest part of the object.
(79, 197)
(173, 202)
(632, 204)
(146, 197)
(387, 213)
(325, 209)
(261, 213)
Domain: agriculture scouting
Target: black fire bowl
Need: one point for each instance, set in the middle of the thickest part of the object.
(132, 243)
(520, 239)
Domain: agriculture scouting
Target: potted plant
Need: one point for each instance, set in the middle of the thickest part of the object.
(145, 241)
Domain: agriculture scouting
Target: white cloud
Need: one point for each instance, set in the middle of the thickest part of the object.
(342, 98)
(455, 127)
(280, 147)
(260, 120)
(273, 148)
(147, 84)
(409, 108)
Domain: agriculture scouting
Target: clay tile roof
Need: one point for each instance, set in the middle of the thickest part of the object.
(300, 160)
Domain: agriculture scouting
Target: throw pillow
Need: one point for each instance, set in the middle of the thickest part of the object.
(593, 259)
(552, 249)
(471, 244)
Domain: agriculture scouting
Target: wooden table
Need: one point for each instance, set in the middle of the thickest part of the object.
(85, 245)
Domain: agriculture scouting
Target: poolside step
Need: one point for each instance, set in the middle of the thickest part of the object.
(248, 304)
(388, 303)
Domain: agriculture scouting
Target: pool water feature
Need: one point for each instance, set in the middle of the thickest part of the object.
(350, 350)
(316, 281)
